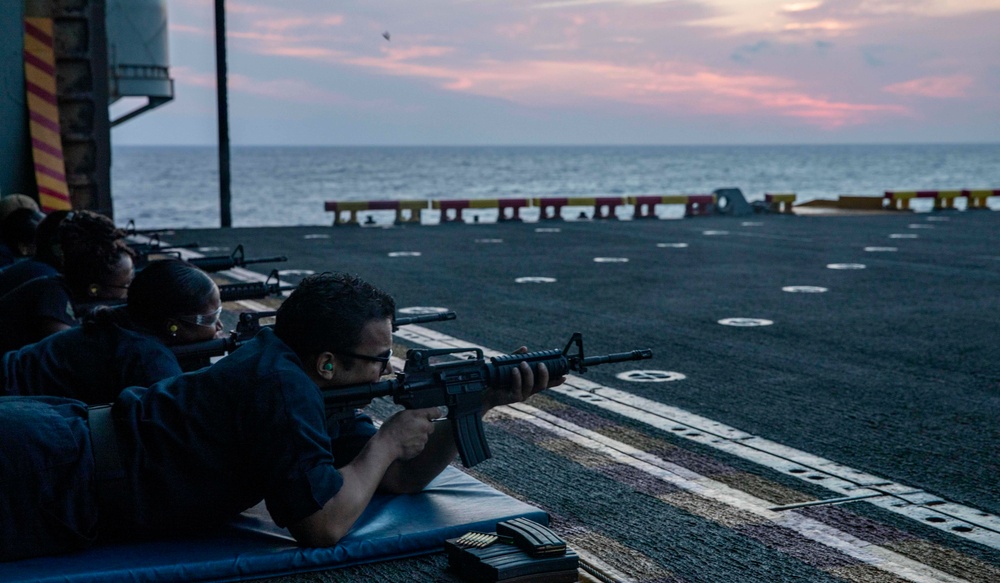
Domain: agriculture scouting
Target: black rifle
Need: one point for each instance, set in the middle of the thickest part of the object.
(256, 290)
(229, 292)
(237, 258)
(130, 230)
(459, 385)
(199, 354)
(155, 247)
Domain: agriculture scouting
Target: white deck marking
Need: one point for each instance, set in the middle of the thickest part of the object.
(958, 520)
(914, 503)
(745, 322)
(695, 483)
(650, 376)
(421, 310)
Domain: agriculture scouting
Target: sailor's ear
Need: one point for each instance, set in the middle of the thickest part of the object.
(326, 363)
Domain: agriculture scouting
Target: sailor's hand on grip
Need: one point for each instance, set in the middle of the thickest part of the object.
(409, 430)
(524, 383)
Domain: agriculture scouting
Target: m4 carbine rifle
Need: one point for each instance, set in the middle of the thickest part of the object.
(199, 354)
(153, 246)
(460, 385)
(237, 258)
(254, 290)
(229, 292)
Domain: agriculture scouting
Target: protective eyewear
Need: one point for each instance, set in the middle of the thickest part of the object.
(210, 319)
(382, 359)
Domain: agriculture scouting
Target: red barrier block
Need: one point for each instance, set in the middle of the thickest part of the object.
(516, 204)
(604, 207)
(550, 208)
(699, 205)
(457, 205)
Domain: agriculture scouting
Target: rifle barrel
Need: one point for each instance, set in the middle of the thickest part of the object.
(275, 259)
(222, 262)
(618, 357)
(231, 292)
(424, 318)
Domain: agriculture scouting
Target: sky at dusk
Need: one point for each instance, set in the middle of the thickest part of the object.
(484, 72)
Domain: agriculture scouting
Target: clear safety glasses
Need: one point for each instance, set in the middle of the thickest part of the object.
(208, 320)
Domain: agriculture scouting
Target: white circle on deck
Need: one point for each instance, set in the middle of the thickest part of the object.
(937, 219)
(919, 226)
(535, 280)
(650, 376)
(846, 266)
(610, 259)
(751, 224)
(672, 245)
(316, 236)
(548, 230)
(881, 249)
(714, 233)
(421, 310)
(405, 254)
(210, 249)
(903, 236)
(804, 289)
(302, 272)
(489, 240)
(745, 322)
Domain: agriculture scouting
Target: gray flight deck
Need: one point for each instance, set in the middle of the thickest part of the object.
(892, 372)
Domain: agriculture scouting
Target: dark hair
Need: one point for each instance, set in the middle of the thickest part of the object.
(91, 247)
(47, 239)
(167, 289)
(18, 227)
(327, 312)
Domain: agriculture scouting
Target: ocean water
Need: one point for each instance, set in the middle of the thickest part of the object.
(175, 187)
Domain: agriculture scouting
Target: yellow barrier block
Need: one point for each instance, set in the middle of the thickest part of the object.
(900, 199)
(946, 199)
(781, 201)
(977, 197)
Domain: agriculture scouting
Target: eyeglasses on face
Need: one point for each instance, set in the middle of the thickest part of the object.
(382, 359)
(209, 320)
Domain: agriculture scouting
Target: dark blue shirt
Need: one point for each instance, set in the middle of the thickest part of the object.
(202, 447)
(7, 256)
(91, 363)
(29, 304)
(23, 271)
(47, 476)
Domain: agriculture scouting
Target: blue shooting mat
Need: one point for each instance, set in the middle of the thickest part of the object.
(253, 546)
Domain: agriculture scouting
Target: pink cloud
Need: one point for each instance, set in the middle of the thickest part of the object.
(415, 52)
(280, 89)
(950, 87)
(298, 52)
(664, 86)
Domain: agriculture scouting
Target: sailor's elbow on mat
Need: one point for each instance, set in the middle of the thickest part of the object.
(317, 531)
